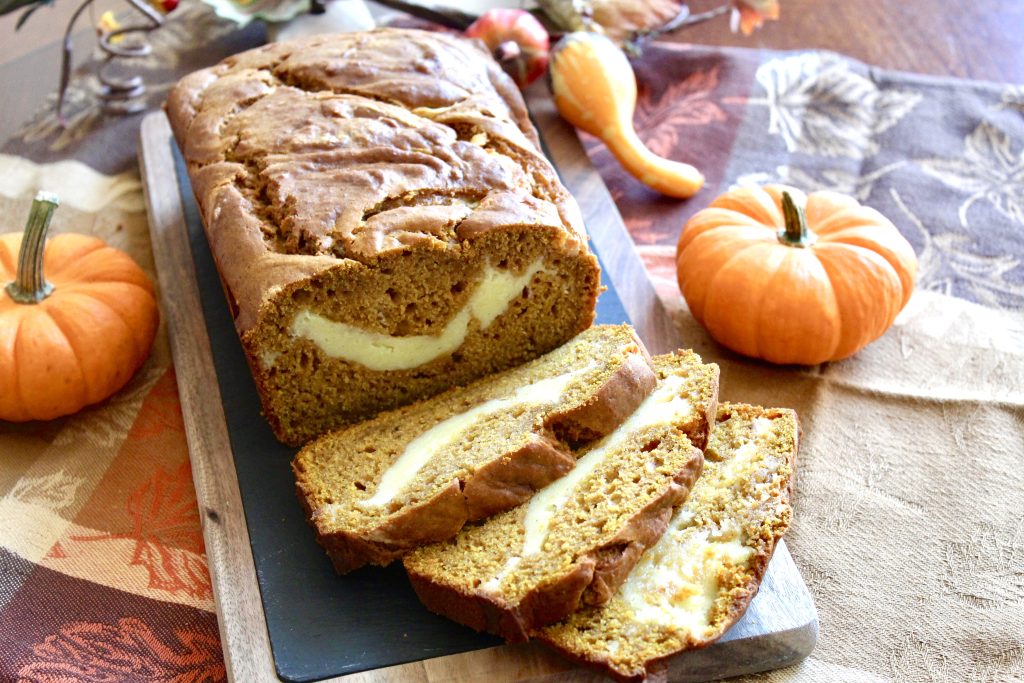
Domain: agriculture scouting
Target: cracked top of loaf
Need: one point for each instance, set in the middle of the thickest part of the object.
(341, 150)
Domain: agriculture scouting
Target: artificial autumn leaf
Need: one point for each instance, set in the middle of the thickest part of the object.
(621, 19)
(749, 15)
(129, 650)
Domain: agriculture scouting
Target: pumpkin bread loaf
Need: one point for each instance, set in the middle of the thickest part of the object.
(383, 220)
(416, 475)
(575, 541)
(697, 581)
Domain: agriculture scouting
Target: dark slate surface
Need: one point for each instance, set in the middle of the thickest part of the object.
(320, 624)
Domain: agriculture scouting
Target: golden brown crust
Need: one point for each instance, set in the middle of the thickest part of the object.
(614, 562)
(706, 406)
(585, 637)
(450, 581)
(331, 173)
(765, 548)
(512, 623)
(615, 401)
(498, 485)
(594, 576)
(283, 117)
(504, 483)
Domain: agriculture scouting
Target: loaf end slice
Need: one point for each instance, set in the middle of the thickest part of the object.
(575, 541)
(417, 475)
(383, 221)
(698, 580)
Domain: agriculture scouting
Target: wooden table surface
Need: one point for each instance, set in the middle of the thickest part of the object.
(981, 39)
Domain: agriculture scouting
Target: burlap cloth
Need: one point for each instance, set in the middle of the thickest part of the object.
(908, 527)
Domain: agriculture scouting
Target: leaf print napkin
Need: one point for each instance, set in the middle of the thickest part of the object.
(943, 159)
(908, 526)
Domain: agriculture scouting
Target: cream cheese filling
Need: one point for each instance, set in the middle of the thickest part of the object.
(761, 426)
(676, 581)
(663, 406)
(427, 445)
(382, 352)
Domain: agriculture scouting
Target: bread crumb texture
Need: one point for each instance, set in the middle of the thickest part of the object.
(377, 489)
(362, 188)
(577, 538)
(697, 581)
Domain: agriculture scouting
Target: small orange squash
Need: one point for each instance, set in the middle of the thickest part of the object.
(789, 278)
(73, 340)
(595, 90)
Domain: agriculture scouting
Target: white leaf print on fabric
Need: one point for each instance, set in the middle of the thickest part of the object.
(986, 568)
(834, 179)
(988, 169)
(105, 423)
(54, 491)
(1013, 98)
(946, 262)
(820, 106)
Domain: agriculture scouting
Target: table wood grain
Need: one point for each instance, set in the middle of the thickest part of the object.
(981, 39)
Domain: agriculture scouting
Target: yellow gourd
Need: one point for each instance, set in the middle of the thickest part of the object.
(595, 90)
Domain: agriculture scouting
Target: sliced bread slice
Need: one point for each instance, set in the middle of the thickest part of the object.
(697, 581)
(575, 541)
(416, 475)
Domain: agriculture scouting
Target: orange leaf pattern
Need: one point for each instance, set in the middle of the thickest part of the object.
(161, 410)
(683, 103)
(167, 533)
(128, 651)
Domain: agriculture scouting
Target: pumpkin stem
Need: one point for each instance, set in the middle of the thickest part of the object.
(795, 234)
(30, 287)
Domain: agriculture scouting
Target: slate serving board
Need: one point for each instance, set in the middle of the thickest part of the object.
(283, 613)
(310, 609)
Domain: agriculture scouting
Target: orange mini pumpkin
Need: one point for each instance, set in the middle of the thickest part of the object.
(792, 279)
(73, 340)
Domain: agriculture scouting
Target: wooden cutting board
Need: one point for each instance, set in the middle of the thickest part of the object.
(282, 614)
